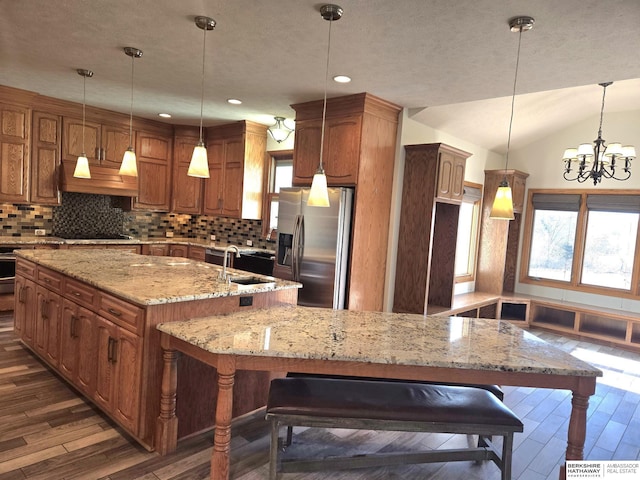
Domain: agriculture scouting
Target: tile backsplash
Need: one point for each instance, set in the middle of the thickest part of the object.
(97, 216)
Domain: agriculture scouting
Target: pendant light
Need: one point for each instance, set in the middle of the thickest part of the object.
(128, 166)
(279, 132)
(82, 164)
(199, 165)
(502, 208)
(318, 195)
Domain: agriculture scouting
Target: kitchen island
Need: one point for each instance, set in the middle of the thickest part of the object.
(375, 344)
(91, 316)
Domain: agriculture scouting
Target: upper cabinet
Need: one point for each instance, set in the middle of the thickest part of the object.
(15, 127)
(186, 195)
(104, 145)
(451, 165)
(236, 154)
(45, 158)
(153, 152)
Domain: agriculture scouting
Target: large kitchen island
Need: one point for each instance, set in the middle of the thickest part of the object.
(91, 316)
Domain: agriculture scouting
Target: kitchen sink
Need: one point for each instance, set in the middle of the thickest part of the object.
(249, 280)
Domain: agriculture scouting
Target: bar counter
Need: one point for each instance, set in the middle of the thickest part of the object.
(302, 339)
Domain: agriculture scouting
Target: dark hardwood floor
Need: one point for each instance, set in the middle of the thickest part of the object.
(49, 432)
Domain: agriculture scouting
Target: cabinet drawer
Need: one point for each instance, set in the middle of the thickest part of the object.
(80, 293)
(25, 268)
(120, 312)
(49, 279)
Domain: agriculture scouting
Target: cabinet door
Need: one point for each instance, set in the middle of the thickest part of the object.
(72, 140)
(186, 195)
(85, 330)
(341, 150)
(69, 340)
(106, 333)
(154, 172)
(47, 323)
(15, 124)
(24, 310)
(518, 187)
(306, 155)
(127, 359)
(45, 158)
(450, 186)
(213, 184)
(179, 251)
(114, 142)
(157, 250)
(233, 175)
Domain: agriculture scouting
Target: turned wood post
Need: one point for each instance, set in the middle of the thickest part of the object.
(222, 437)
(167, 423)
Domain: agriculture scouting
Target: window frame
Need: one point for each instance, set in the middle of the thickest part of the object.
(575, 283)
(475, 236)
(268, 195)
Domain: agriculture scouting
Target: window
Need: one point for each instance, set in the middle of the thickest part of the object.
(467, 237)
(280, 175)
(586, 240)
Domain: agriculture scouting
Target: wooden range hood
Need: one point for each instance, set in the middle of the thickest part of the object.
(104, 180)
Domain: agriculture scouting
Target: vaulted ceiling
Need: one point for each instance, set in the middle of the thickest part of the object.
(450, 62)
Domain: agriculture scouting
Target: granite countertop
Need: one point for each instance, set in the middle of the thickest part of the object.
(377, 337)
(48, 240)
(149, 280)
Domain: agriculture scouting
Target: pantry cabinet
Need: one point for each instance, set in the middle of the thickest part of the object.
(45, 158)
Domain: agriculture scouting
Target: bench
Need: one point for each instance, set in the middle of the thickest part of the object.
(395, 406)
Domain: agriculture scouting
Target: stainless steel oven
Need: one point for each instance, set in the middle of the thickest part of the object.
(7, 269)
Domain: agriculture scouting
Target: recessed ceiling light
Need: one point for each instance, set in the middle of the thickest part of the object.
(234, 101)
(164, 115)
(341, 79)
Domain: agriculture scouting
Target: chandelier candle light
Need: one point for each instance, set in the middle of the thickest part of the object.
(502, 208)
(596, 162)
(128, 166)
(82, 164)
(318, 195)
(199, 166)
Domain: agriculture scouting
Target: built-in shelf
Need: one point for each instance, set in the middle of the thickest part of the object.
(603, 326)
(553, 316)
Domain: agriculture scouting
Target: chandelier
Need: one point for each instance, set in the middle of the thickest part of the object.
(599, 160)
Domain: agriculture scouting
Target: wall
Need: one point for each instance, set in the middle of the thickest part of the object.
(546, 155)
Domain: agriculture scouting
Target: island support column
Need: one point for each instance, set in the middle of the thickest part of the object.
(220, 457)
(167, 424)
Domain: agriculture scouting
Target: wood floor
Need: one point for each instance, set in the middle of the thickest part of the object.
(48, 432)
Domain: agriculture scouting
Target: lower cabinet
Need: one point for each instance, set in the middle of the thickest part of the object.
(24, 309)
(119, 357)
(48, 319)
(78, 359)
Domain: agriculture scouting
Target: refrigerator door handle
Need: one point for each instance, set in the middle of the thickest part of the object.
(294, 249)
(300, 246)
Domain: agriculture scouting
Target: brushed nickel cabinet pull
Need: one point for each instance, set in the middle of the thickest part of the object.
(114, 312)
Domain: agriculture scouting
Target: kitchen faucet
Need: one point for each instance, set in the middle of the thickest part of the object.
(223, 274)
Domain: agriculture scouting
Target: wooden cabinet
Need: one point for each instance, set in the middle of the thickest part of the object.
(25, 308)
(433, 180)
(197, 253)
(359, 151)
(47, 324)
(78, 357)
(236, 154)
(119, 360)
(179, 250)
(186, 192)
(341, 150)
(153, 154)
(498, 247)
(15, 130)
(45, 158)
(104, 145)
(160, 250)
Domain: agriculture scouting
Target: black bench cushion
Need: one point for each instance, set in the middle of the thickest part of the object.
(381, 400)
(495, 389)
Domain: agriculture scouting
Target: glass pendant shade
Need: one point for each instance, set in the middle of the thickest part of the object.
(128, 166)
(279, 132)
(502, 208)
(82, 167)
(318, 195)
(199, 166)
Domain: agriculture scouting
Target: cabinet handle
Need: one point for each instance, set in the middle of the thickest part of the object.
(43, 310)
(21, 295)
(77, 294)
(114, 353)
(73, 333)
(47, 280)
(110, 350)
(114, 312)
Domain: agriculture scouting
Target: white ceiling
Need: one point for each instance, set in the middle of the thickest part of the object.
(450, 62)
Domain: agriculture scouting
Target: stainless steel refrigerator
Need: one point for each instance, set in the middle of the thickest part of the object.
(313, 245)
